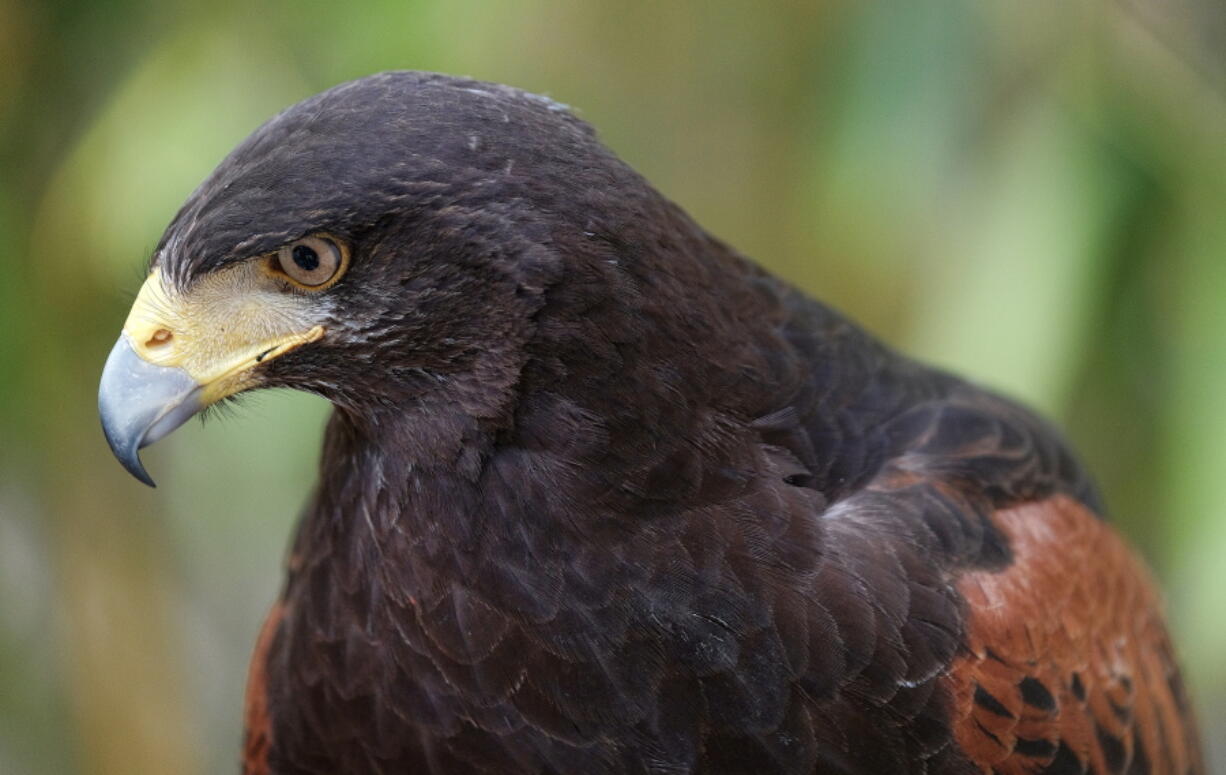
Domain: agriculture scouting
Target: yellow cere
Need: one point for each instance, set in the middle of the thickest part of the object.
(223, 327)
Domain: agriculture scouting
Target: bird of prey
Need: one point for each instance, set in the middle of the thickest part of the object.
(599, 495)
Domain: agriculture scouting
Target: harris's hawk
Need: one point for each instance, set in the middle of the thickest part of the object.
(599, 495)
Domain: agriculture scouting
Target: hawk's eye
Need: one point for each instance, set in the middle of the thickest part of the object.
(313, 263)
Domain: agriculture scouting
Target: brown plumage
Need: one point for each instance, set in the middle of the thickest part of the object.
(257, 726)
(1067, 660)
(601, 496)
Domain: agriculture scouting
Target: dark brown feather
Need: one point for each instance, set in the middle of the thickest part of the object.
(601, 496)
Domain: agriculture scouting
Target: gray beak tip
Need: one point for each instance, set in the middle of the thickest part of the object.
(140, 402)
(127, 454)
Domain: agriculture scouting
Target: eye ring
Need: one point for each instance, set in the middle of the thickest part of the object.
(311, 263)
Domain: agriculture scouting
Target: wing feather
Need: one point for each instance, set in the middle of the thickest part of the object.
(1068, 665)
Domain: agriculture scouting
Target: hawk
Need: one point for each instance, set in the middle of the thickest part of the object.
(599, 495)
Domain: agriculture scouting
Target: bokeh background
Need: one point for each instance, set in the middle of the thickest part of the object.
(1031, 193)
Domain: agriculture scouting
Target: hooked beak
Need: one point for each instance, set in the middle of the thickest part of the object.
(140, 402)
(179, 353)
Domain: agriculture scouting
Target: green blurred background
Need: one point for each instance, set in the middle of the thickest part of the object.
(1032, 193)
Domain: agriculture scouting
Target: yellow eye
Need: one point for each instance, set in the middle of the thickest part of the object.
(313, 263)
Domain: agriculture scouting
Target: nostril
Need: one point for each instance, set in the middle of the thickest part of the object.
(159, 338)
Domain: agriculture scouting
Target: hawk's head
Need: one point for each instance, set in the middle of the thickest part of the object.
(385, 244)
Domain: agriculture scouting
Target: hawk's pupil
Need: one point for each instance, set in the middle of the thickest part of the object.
(306, 258)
